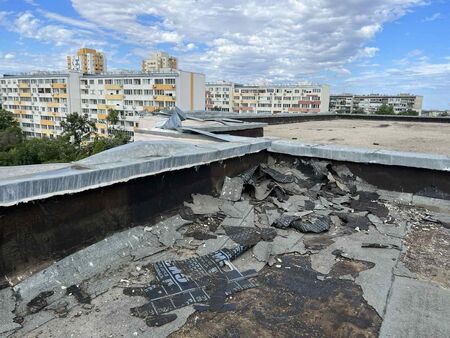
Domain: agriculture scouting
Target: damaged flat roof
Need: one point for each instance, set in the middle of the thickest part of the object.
(304, 248)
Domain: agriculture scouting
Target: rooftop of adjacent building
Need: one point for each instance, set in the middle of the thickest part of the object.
(400, 136)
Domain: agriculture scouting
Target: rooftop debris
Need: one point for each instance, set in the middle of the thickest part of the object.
(205, 279)
(303, 238)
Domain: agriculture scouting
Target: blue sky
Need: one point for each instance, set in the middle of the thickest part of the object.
(360, 46)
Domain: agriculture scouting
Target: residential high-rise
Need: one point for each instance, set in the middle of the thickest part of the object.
(41, 101)
(267, 99)
(87, 61)
(219, 96)
(349, 103)
(159, 61)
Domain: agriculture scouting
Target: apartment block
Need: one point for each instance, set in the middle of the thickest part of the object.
(348, 103)
(41, 101)
(267, 99)
(342, 103)
(219, 96)
(87, 61)
(159, 61)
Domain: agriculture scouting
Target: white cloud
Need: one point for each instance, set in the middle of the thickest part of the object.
(433, 17)
(279, 40)
(27, 25)
(9, 56)
(67, 20)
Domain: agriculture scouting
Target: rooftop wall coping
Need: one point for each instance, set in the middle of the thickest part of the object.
(121, 164)
(361, 155)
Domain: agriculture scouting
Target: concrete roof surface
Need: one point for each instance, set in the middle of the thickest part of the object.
(334, 256)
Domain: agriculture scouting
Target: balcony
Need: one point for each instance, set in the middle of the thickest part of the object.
(117, 97)
(165, 98)
(102, 116)
(150, 108)
(113, 87)
(164, 87)
(47, 123)
(100, 125)
(25, 94)
(105, 106)
(60, 96)
(59, 85)
(24, 85)
(53, 104)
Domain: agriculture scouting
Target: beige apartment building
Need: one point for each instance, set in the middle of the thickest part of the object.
(87, 61)
(267, 99)
(159, 61)
(41, 101)
(349, 103)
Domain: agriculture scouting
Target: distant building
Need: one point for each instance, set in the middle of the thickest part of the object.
(159, 61)
(87, 61)
(219, 96)
(267, 99)
(342, 103)
(369, 104)
(41, 101)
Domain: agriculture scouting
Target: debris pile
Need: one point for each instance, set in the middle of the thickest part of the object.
(266, 210)
(303, 238)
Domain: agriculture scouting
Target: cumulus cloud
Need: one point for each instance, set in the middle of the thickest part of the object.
(276, 40)
(27, 25)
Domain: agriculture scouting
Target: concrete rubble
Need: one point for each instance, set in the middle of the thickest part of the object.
(310, 230)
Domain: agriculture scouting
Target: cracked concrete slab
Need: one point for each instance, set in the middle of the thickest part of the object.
(239, 214)
(84, 264)
(204, 204)
(167, 230)
(215, 244)
(7, 306)
(232, 189)
(417, 309)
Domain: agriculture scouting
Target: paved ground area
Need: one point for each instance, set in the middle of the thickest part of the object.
(327, 254)
(401, 136)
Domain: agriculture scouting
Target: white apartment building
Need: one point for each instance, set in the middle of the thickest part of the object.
(219, 96)
(159, 61)
(348, 103)
(41, 101)
(267, 99)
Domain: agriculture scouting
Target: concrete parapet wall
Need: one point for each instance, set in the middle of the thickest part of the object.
(361, 155)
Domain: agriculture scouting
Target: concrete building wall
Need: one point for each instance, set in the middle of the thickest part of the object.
(191, 91)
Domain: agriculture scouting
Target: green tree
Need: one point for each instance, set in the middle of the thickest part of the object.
(10, 132)
(78, 128)
(113, 116)
(358, 111)
(44, 150)
(385, 109)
